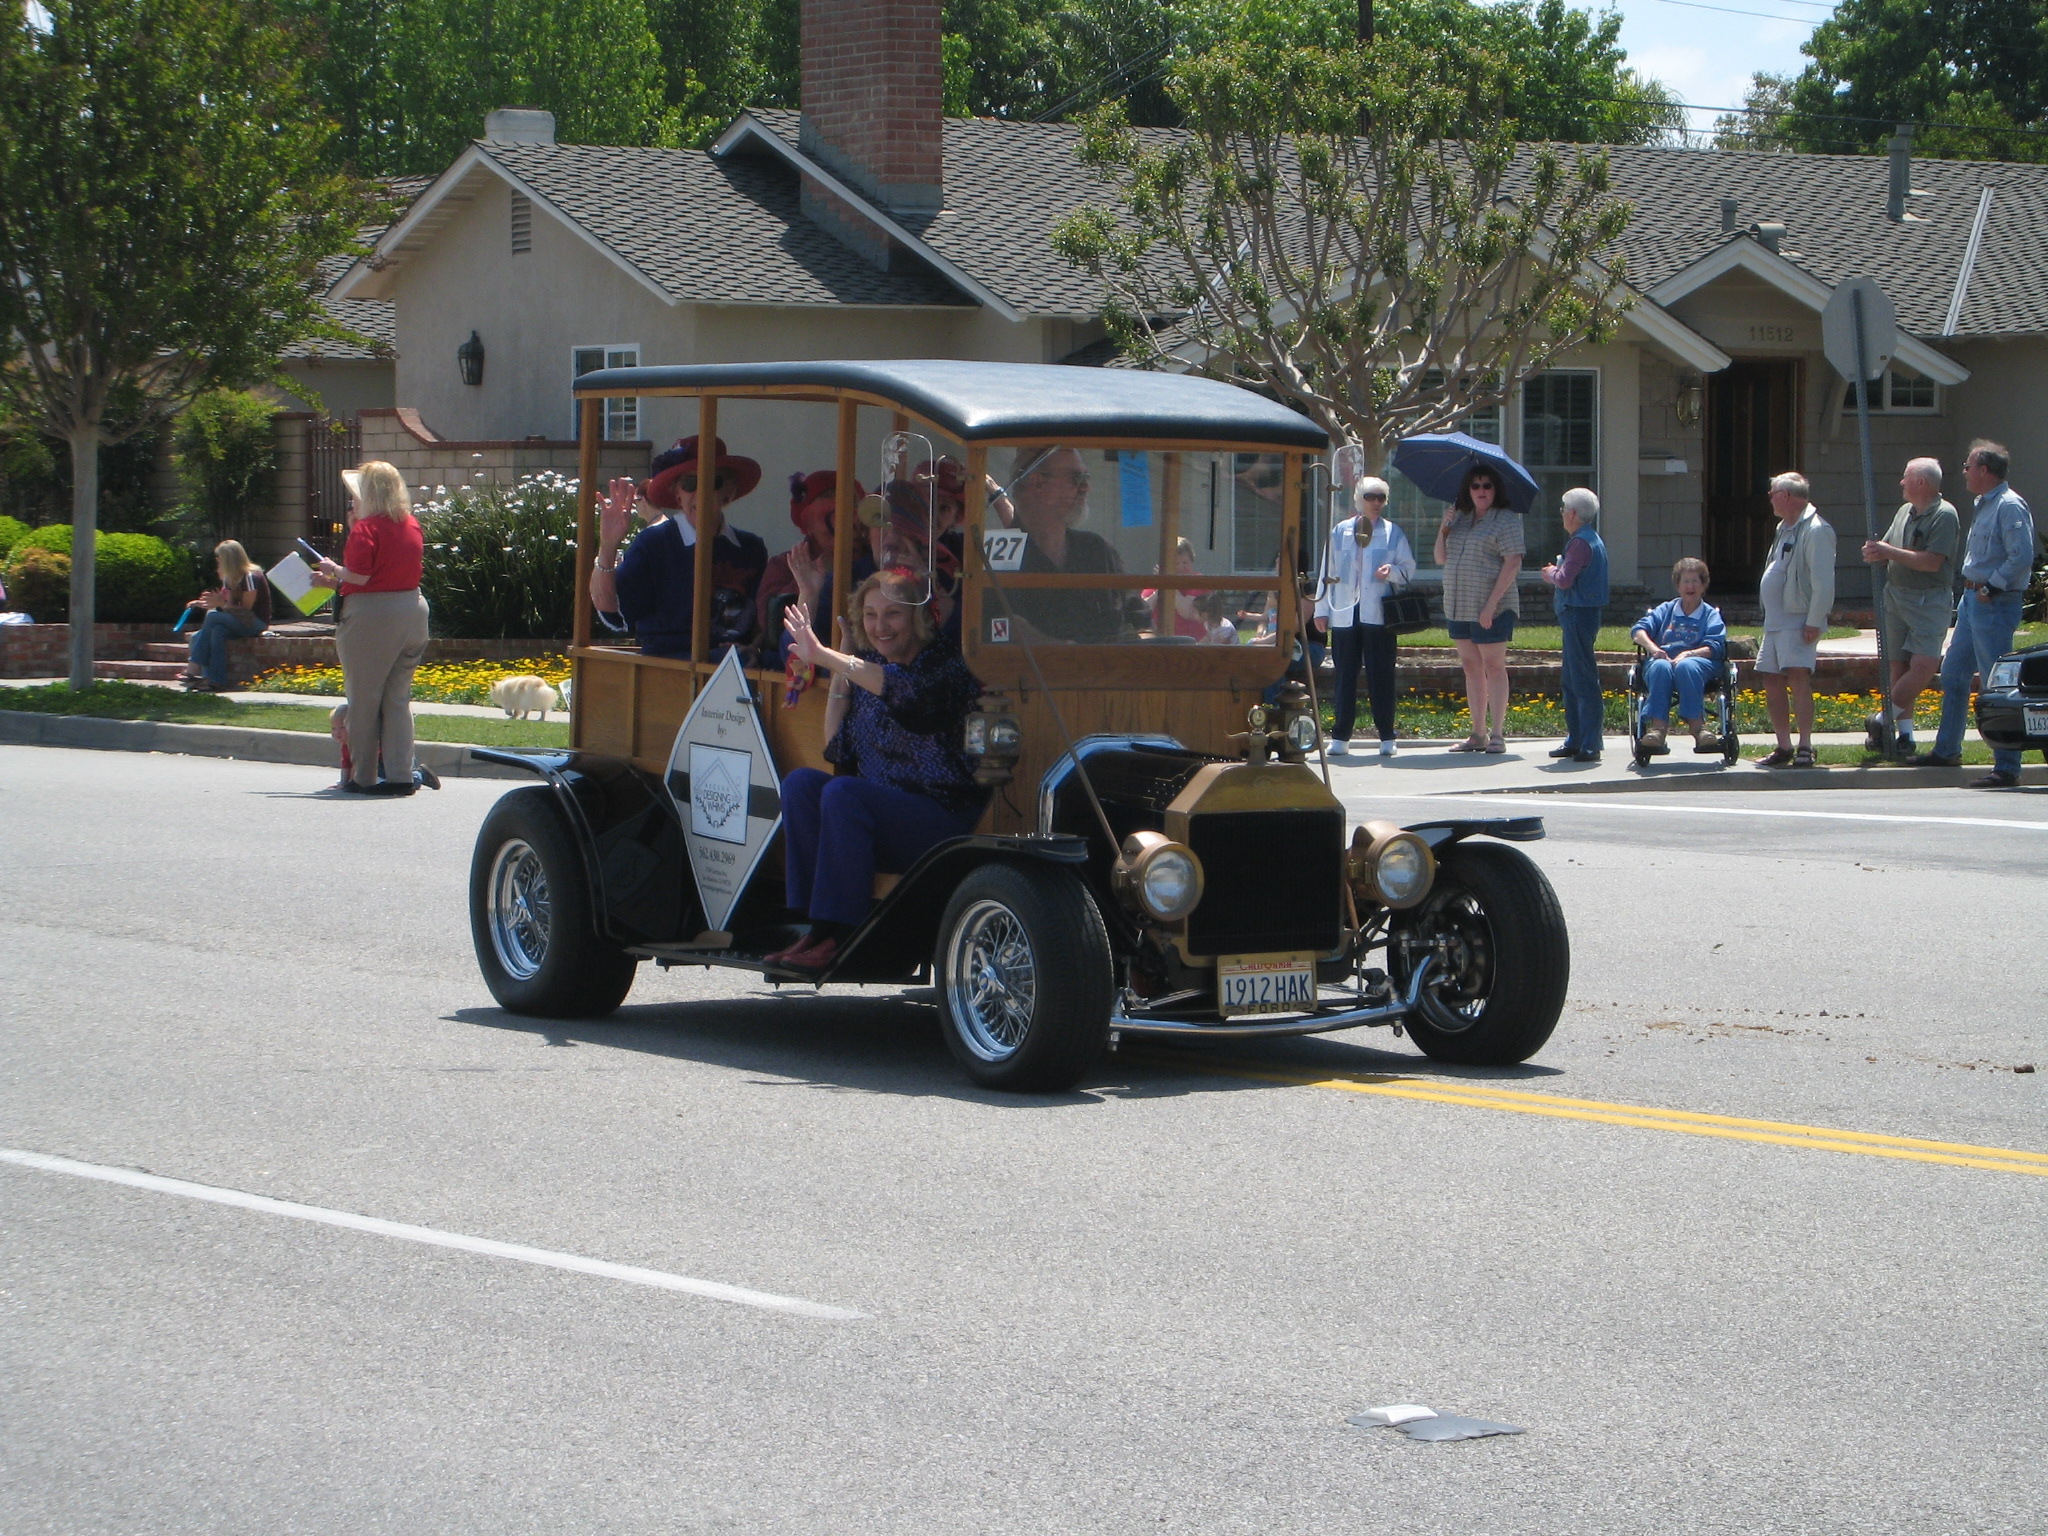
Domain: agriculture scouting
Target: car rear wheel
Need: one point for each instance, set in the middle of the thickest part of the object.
(1024, 978)
(1500, 957)
(531, 916)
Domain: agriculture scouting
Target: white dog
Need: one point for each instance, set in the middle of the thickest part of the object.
(517, 695)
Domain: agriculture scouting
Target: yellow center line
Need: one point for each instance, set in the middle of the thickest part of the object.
(1685, 1122)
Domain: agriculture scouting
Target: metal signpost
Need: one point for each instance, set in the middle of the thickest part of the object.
(1859, 332)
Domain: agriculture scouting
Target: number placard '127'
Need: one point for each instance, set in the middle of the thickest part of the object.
(1003, 548)
(1249, 984)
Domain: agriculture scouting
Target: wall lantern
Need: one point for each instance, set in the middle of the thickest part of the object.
(471, 356)
(1685, 405)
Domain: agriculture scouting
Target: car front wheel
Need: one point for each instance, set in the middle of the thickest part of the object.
(1499, 955)
(531, 916)
(1024, 978)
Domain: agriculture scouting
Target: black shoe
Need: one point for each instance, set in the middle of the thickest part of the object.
(426, 778)
(1996, 780)
(351, 787)
(1936, 760)
(389, 790)
(1567, 750)
(1586, 756)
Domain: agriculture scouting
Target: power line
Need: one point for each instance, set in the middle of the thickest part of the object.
(1729, 10)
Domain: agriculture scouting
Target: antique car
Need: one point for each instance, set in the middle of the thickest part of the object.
(2012, 706)
(1162, 856)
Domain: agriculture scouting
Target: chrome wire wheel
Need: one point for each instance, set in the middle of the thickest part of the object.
(521, 917)
(991, 980)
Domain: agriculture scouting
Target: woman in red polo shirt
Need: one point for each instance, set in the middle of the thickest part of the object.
(382, 633)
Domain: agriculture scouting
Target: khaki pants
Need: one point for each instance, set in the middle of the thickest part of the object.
(381, 638)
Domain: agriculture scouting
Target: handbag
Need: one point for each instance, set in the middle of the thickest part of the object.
(1404, 612)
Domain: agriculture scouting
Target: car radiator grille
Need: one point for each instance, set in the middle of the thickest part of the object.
(2034, 673)
(1271, 881)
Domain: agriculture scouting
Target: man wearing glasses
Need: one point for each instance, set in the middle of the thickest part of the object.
(653, 587)
(1051, 499)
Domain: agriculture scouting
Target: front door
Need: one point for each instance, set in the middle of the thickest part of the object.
(1752, 433)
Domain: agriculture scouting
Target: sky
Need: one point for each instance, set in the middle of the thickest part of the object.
(1705, 54)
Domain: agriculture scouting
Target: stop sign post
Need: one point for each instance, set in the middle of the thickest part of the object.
(1859, 332)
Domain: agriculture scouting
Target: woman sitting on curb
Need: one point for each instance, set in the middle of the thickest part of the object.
(1684, 644)
(235, 610)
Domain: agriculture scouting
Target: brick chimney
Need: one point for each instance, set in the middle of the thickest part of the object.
(874, 109)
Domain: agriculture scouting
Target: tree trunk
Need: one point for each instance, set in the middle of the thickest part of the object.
(85, 508)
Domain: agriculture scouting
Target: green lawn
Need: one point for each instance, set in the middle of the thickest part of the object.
(1547, 637)
(139, 701)
(1975, 754)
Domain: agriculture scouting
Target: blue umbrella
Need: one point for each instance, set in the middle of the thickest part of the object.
(1437, 462)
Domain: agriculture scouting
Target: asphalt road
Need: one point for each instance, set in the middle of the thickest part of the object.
(1145, 1306)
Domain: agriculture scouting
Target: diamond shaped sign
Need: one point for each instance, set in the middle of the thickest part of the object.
(726, 790)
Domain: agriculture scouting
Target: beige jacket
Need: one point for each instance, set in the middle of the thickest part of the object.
(1808, 550)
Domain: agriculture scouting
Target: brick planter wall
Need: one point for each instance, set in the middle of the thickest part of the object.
(44, 650)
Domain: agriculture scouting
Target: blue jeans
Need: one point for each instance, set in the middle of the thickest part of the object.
(1373, 645)
(1584, 720)
(209, 650)
(1689, 676)
(1983, 633)
(872, 827)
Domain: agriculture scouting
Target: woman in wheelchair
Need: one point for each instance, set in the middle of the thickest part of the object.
(893, 720)
(1684, 645)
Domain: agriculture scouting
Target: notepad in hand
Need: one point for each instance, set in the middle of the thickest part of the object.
(294, 578)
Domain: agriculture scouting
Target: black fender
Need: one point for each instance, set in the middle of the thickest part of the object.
(896, 938)
(632, 842)
(1509, 829)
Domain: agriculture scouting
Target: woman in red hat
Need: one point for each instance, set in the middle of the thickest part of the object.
(799, 572)
(653, 586)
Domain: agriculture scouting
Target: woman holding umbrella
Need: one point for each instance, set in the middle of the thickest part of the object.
(1480, 547)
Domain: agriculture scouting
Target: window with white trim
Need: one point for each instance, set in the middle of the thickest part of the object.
(1561, 447)
(1414, 513)
(621, 414)
(1900, 392)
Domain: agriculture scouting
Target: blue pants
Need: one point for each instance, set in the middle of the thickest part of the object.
(209, 650)
(1689, 676)
(1584, 721)
(1372, 644)
(1983, 633)
(839, 832)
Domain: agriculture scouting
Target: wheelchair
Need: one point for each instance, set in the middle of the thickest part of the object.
(1720, 709)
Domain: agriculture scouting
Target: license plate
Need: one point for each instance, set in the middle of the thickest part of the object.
(2037, 720)
(1248, 984)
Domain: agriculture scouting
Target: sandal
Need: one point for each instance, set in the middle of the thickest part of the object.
(1780, 758)
(1803, 758)
(1496, 744)
(1471, 744)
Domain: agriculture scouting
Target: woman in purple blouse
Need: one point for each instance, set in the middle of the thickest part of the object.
(893, 721)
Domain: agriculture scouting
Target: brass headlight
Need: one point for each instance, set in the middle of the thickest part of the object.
(1161, 877)
(993, 738)
(1388, 866)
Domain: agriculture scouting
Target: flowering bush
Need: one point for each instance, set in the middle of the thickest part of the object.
(438, 682)
(501, 561)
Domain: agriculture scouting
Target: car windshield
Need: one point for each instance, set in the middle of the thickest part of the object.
(1095, 546)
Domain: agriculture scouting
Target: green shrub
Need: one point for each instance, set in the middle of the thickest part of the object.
(137, 577)
(38, 583)
(12, 531)
(225, 450)
(501, 561)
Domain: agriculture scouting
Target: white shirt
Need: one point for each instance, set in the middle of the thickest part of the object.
(1348, 592)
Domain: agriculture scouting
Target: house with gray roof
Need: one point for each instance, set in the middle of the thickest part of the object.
(869, 225)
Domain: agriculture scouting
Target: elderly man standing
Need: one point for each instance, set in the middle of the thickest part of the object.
(1797, 593)
(1920, 550)
(1578, 578)
(1997, 564)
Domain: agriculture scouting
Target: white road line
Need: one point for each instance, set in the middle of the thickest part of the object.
(490, 1247)
(1590, 803)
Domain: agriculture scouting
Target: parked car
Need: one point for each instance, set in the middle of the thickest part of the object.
(2012, 704)
(1163, 858)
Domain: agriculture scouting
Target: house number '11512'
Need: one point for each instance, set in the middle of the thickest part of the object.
(1772, 333)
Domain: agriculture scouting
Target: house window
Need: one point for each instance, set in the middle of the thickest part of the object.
(522, 224)
(1560, 447)
(622, 414)
(1414, 513)
(1900, 392)
(1256, 484)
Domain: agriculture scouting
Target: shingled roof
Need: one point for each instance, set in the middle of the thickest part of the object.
(372, 319)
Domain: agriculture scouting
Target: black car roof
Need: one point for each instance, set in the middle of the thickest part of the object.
(979, 402)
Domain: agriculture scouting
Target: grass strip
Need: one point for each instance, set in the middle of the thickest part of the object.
(139, 701)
